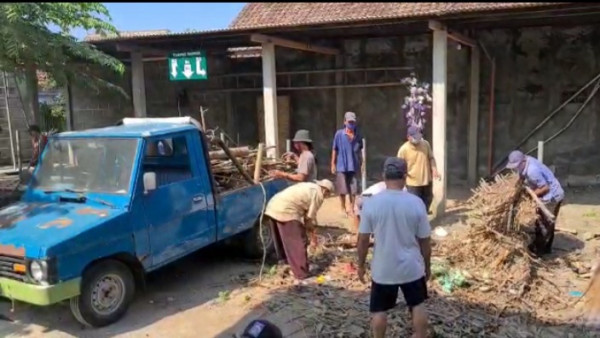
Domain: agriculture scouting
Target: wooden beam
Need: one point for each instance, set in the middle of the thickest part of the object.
(473, 117)
(260, 38)
(440, 53)
(458, 37)
(270, 99)
(138, 85)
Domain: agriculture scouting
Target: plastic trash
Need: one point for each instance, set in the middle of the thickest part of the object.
(440, 232)
(575, 293)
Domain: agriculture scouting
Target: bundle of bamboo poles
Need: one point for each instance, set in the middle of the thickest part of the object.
(232, 167)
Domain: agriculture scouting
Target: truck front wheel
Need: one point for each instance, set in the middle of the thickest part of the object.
(107, 289)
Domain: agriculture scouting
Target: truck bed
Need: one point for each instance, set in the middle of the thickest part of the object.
(238, 210)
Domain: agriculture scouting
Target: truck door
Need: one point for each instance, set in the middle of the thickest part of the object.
(177, 211)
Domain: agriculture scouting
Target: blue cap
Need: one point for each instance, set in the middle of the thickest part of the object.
(414, 132)
(394, 168)
(514, 159)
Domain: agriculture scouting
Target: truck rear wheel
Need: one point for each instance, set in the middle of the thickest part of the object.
(252, 244)
(107, 289)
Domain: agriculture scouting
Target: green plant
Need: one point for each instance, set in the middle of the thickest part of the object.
(27, 42)
(55, 114)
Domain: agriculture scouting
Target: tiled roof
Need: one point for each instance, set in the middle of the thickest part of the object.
(281, 14)
(128, 34)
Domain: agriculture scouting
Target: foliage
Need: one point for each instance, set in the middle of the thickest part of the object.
(26, 41)
(54, 114)
(418, 102)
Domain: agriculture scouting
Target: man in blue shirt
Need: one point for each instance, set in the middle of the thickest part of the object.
(347, 161)
(545, 185)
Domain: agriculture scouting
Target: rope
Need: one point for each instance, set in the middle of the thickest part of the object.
(260, 231)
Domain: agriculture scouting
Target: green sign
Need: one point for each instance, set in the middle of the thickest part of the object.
(187, 66)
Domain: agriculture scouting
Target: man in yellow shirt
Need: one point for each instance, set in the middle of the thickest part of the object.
(421, 165)
(294, 211)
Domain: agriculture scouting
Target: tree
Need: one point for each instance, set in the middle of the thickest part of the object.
(27, 43)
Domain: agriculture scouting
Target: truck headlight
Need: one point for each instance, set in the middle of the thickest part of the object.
(39, 270)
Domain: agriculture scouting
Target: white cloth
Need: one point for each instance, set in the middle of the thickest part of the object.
(397, 219)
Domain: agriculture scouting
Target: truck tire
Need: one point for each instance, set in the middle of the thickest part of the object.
(107, 289)
(252, 244)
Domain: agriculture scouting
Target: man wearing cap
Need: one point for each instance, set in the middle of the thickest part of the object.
(347, 161)
(294, 212)
(421, 165)
(545, 185)
(307, 168)
(402, 254)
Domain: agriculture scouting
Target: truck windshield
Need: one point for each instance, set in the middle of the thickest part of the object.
(101, 165)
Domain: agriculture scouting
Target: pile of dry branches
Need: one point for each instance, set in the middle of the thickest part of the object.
(228, 177)
(501, 218)
(336, 304)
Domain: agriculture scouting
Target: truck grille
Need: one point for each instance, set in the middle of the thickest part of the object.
(7, 267)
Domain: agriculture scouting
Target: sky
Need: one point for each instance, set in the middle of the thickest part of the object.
(176, 16)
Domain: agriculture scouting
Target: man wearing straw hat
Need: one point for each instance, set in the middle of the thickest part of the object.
(545, 186)
(294, 212)
(307, 168)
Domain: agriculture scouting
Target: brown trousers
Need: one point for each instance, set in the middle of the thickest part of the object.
(290, 243)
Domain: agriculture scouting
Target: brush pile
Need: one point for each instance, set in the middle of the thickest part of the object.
(501, 218)
(228, 177)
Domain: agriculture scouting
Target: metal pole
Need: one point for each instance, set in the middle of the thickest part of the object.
(222, 135)
(288, 145)
(364, 172)
(18, 143)
(540, 152)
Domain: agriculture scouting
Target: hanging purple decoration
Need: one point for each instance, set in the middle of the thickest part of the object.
(417, 104)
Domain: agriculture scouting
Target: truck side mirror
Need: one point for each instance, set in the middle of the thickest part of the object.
(149, 182)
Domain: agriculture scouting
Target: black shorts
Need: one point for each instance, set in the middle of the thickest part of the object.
(425, 193)
(384, 296)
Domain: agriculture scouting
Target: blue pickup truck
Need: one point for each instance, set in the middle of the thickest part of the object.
(106, 206)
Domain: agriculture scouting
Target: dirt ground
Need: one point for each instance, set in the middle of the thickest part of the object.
(207, 294)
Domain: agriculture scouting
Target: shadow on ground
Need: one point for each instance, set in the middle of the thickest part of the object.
(188, 283)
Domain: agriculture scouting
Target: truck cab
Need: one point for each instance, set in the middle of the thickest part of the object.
(106, 206)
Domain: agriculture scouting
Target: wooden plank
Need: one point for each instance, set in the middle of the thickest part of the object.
(265, 39)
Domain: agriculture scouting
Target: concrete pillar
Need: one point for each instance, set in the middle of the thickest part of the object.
(138, 85)
(270, 99)
(339, 91)
(473, 118)
(440, 50)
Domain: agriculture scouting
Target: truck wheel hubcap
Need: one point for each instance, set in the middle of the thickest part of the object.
(108, 294)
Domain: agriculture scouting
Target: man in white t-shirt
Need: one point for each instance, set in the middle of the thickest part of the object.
(402, 254)
(359, 201)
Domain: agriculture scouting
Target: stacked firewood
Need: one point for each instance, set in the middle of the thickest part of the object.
(228, 176)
